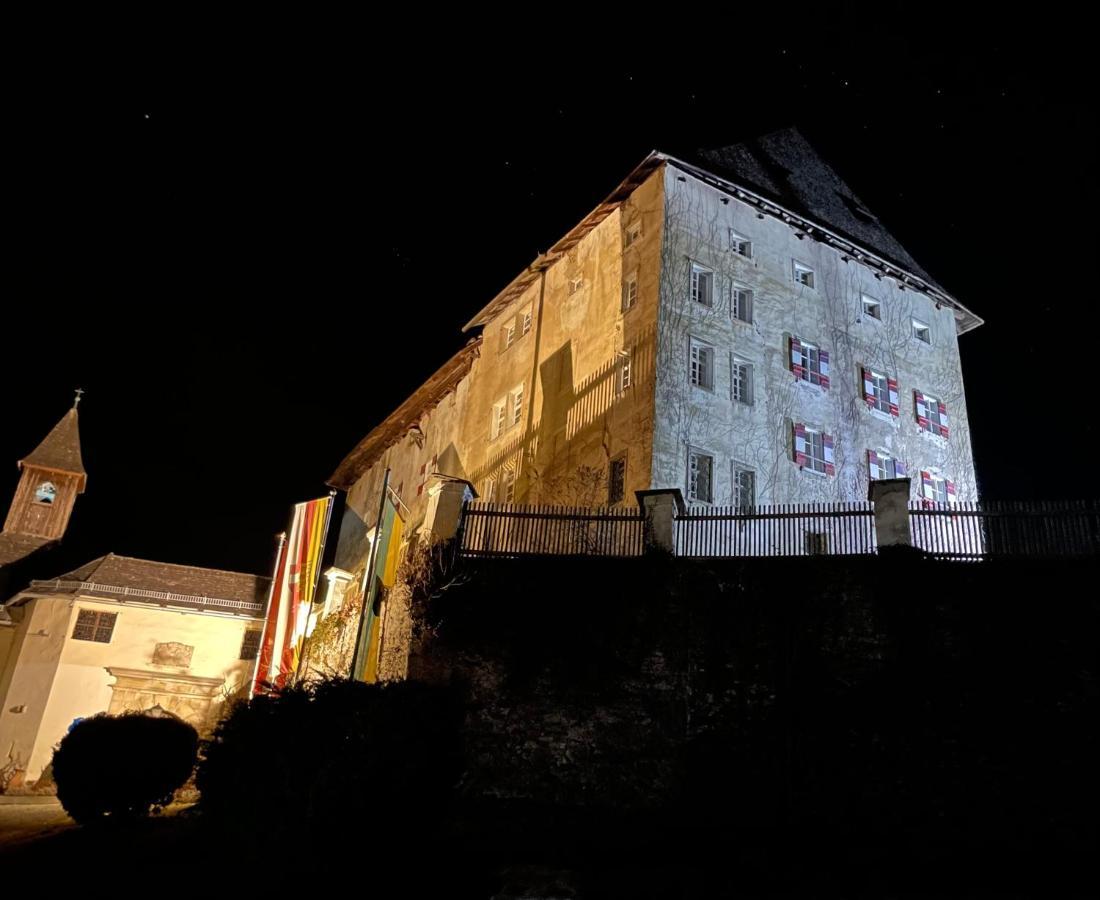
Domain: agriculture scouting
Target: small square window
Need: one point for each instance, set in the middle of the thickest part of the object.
(700, 487)
(702, 285)
(630, 292)
(871, 307)
(702, 365)
(741, 304)
(922, 332)
(94, 626)
(575, 284)
(250, 646)
(740, 244)
(633, 234)
(803, 275)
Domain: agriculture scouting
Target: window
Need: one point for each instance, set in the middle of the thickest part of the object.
(496, 423)
(741, 304)
(702, 285)
(744, 488)
(817, 543)
(632, 234)
(507, 412)
(880, 392)
(630, 292)
(94, 626)
(616, 480)
(931, 414)
(700, 486)
(809, 363)
(625, 372)
(803, 275)
(517, 405)
(250, 646)
(702, 365)
(490, 492)
(922, 332)
(740, 380)
(813, 450)
(525, 317)
(509, 334)
(575, 284)
(871, 307)
(515, 328)
(45, 493)
(880, 466)
(740, 244)
(936, 489)
(508, 485)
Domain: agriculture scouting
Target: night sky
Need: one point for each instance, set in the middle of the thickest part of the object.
(248, 245)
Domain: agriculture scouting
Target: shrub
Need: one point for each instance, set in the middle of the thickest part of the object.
(341, 757)
(122, 766)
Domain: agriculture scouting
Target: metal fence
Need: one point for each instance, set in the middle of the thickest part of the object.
(991, 529)
(498, 529)
(788, 529)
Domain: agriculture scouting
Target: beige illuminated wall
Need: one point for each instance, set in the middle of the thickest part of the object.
(575, 415)
(50, 679)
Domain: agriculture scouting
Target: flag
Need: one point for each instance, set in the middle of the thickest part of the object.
(388, 538)
(293, 585)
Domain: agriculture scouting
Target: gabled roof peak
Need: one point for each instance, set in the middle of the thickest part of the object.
(60, 449)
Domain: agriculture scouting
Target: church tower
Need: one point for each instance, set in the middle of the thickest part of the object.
(53, 476)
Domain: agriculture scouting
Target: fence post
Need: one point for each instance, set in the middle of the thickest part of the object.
(660, 508)
(446, 498)
(890, 497)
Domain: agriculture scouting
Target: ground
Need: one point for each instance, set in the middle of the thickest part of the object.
(26, 818)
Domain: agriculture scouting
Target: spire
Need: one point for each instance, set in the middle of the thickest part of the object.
(60, 451)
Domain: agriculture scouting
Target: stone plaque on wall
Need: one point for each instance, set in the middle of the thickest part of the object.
(173, 654)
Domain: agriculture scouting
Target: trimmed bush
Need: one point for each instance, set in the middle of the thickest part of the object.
(122, 766)
(339, 758)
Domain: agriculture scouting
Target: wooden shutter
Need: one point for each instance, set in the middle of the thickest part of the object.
(827, 441)
(800, 444)
(952, 496)
(868, 387)
(926, 487)
(922, 410)
(943, 420)
(823, 364)
(892, 389)
(796, 358)
(899, 469)
(872, 462)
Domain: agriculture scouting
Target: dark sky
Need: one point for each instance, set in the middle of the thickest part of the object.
(249, 243)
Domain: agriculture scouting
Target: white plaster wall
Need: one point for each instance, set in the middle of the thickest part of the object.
(697, 225)
(58, 679)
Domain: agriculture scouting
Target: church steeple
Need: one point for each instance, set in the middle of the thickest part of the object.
(53, 476)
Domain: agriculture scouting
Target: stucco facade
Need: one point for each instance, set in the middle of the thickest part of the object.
(540, 410)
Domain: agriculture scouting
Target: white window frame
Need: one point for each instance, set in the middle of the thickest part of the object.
(742, 385)
(939, 488)
(872, 307)
(810, 362)
(509, 333)
(497, 418)
(696, 293)
(515, 406)
(740, 244)
(526, 320)
(508, 484)
(575, 284)
(737, 490)
(888, 472)
(932, 408)
(747, 298)
(814, 438)
(695, 455)
(630, 292)
(632, 233)
(800, 269)
(696, 349)
(882, 401)
(625, 374)
(920, 328)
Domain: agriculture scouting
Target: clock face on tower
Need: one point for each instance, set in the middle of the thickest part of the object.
(45, 493)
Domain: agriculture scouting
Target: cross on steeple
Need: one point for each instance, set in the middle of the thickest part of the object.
(79, 394)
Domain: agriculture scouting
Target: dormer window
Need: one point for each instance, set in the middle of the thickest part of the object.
(45, 493)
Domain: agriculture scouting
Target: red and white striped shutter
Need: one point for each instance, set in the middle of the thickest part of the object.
(892, 387)
(796, 357)
(827, 441)
(823, 364)
(872, 461)
(952, 496)
(922, 409)
(899, 469)
(868, 387)
(943, 420)
(800, 443)
(926, 486)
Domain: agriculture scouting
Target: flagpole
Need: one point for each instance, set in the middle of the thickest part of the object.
(368, 576)
(280, 540)
(316, 581)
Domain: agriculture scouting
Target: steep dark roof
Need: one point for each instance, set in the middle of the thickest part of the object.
(785, 168)
(112, 576)
(60, 450)
(14, 547)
